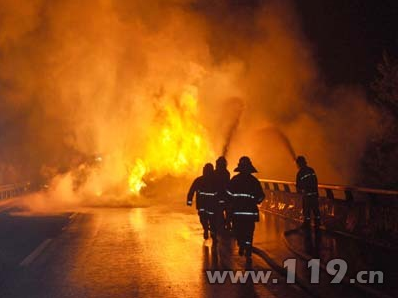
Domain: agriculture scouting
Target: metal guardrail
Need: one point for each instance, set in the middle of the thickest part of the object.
(14, 189)
(366, 213)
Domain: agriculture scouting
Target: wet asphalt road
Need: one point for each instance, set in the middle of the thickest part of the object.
(152, 250)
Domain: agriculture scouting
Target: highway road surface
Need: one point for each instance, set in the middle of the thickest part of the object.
(150, 249)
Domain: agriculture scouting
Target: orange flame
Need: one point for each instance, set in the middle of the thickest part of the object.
(177, 142)
(135, 177)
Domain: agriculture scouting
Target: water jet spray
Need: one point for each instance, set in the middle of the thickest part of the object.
(274, 132)
(238, 104)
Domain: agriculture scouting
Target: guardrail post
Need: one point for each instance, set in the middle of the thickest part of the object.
(368, 213)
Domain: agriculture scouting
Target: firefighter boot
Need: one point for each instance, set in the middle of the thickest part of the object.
(248, 253)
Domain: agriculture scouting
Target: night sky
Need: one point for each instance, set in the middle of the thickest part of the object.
(348, 37)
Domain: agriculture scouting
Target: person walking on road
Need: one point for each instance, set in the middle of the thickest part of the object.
(205, 189)
(307, 186)
(222, 176)
(246, 193)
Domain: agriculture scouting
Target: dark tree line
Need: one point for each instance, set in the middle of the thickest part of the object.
(380, 162)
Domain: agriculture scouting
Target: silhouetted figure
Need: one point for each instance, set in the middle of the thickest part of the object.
(246, 193)
(307, 185)
(206, 200)
(222, 176)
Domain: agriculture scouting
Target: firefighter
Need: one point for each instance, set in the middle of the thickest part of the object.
(246, 193)
(307, 186)
(205, 189)
(222, 176)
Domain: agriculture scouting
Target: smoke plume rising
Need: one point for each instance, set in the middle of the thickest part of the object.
(161, 87)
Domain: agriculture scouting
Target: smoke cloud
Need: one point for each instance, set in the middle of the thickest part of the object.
(98, 78)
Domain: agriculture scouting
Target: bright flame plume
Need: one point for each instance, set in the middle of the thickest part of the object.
(177, 142)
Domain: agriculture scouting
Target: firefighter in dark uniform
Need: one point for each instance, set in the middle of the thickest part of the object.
(246, 193)
(205, 189)
(307, 186)
(222, 176)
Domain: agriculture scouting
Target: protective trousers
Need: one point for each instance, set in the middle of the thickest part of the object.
(311, 204)
(204, 220)
(244, 231)
(216, 222)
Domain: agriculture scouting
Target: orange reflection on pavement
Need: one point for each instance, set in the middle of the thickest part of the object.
(136, 219)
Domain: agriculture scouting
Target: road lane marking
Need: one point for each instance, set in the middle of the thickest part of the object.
(34, 254)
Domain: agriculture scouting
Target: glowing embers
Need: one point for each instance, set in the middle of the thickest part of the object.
(177, 142)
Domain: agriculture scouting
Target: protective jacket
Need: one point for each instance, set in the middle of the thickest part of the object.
(245, 192)
(222, 179)
(306, 182)
(206, 191)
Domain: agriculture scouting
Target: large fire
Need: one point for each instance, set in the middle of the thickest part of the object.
(177, 143)
(159, 88)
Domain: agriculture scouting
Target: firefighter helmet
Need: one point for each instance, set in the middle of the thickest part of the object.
(207, 170)
(221, 163)
(301, 161)
(245, 165)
